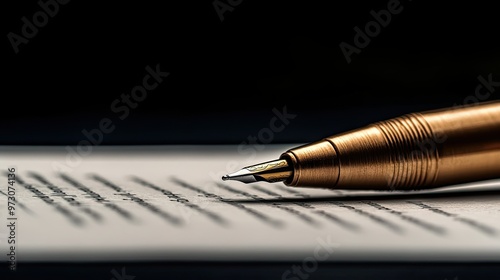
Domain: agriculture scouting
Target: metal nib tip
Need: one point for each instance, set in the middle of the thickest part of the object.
(271, 171)
(242, 175)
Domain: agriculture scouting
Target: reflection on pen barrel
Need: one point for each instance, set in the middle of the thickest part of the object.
(414, 151)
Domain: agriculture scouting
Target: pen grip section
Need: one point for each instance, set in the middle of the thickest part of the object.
(382, 156)
(387, 155)
(412, 164)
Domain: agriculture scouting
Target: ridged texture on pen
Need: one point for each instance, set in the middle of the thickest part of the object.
(414, 151)
(415, 162)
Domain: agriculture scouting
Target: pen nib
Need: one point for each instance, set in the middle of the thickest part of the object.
(270, 171)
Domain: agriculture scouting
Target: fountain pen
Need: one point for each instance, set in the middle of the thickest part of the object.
(414, 151)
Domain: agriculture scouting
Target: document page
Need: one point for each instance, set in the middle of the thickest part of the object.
(117, 203)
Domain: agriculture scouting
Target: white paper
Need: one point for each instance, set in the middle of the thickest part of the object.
(169, 203)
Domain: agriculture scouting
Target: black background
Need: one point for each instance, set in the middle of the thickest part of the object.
(227, 76)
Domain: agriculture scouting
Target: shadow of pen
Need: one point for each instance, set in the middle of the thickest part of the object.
(376, 197)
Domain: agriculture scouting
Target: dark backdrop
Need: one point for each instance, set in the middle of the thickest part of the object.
(230, 71)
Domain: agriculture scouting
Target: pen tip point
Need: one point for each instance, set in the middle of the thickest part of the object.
(271, 171)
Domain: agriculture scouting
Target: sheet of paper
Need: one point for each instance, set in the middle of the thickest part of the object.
(169, 203)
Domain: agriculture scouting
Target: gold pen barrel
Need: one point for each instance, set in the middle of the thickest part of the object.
(414, 151)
